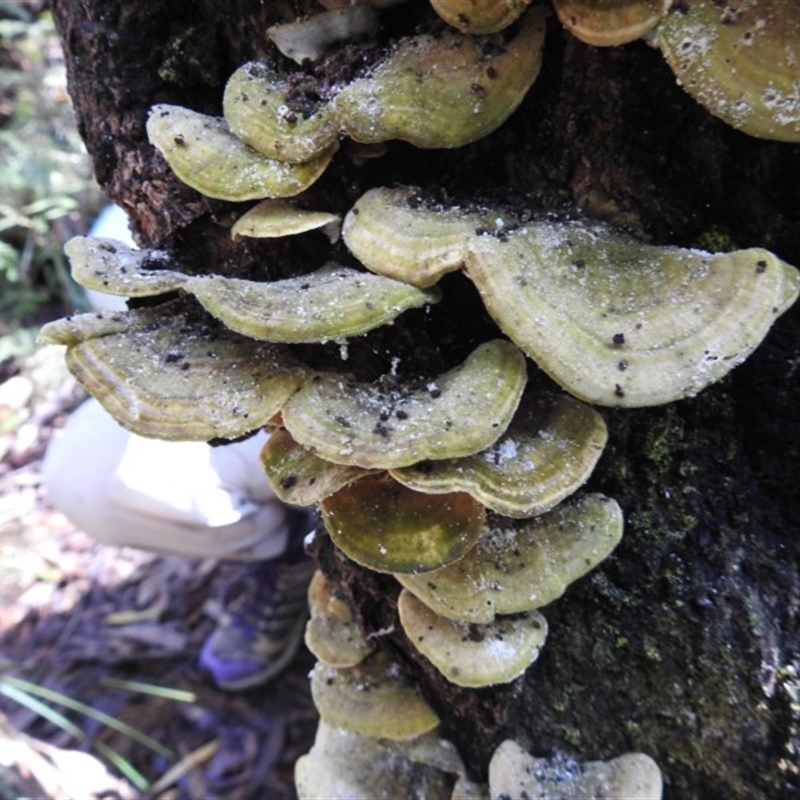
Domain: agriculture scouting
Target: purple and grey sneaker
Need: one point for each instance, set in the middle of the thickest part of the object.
(262, 620)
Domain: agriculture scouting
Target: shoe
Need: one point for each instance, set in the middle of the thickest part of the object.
(261, 623)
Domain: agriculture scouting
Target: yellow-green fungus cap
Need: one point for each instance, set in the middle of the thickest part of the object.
(741, 60)
(546, 453)
(461, 412)
(331, 633)
(443, 91)
(114, 268)
(255, 107)
(205, 155)
(388, 528)
(345, 766)
(480, 16)
(515, 773)
(330, 304)
(397, 232)
(371, 699)
(166, 374)
(470, 654)
(521, 565)
(298, 476)
(272, 219)
(606, 23)
(620, 323)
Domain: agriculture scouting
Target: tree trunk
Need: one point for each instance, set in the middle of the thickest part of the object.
(684, 643)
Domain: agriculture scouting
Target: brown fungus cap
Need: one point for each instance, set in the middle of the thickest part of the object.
(521, 565)
(205, 155)
(546, 453)
(171, 372)
(480, 16)
(515, 773)
(606, 23)
(388, 528)
(371, 699)
(363, 424)
(445, 91)
(741, 60)
(469, 654)
(298, 476)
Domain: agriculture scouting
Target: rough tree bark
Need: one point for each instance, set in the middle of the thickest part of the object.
(684, 644)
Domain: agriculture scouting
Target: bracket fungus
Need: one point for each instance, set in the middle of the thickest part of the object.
(522, 565)
(300, 477)
(546, 453)
(515, 773)
(342, 765)
(614, 321)
(272, 219)
(740, 60)
(607, 23)
(205, 155)
(109, 266)
(173, 373)
(331, 633)
(256, 109)
(480, 16)
(332, 303)
(371, 699)
(446, 91)
(459, 413)
(470, 654)
(386, 527)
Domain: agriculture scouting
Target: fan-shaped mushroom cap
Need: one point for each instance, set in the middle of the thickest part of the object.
(546, 453)
(332, 303)
(469, 654)
(173, 373)
(522, 565)
(114, 268)
(371, 699)
(397, 232)
(345, 766)
(479, 16)
(445, 91)
(388, 528)
(205, 155)
(275, 218)
(606, 23)
(255, 107)
(515, 773)
(741, 60)
(298, 476)
(459, 413)
(620, 323)
(332, 634)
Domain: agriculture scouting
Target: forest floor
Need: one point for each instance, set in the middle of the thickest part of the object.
(77, 617)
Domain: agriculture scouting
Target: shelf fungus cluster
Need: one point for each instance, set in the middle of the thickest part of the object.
(614, 321)
(463, 485)
(265, 147)
(738, 58)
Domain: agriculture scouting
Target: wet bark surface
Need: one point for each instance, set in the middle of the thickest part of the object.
(683, 644)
